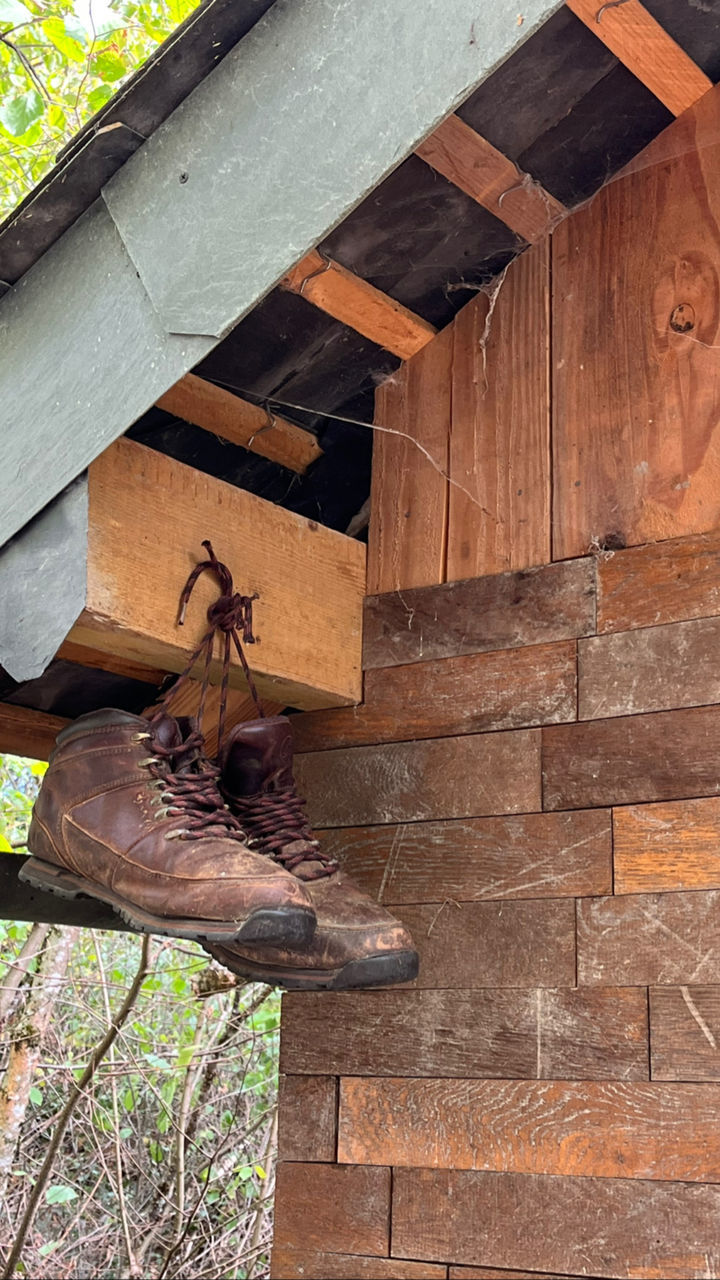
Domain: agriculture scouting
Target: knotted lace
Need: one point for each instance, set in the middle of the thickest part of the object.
(280, 829)
(187, 786)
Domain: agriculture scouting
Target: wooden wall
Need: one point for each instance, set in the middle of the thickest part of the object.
(532, 783)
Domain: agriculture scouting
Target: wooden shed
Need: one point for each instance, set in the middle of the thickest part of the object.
(493, 233)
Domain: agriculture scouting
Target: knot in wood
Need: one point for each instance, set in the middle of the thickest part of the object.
(682, 318)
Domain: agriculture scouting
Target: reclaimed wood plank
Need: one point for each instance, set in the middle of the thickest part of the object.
(407, 538)
(630, 759)
(602, 1226)
(499, 498)
(651, 669)
(661, 847)
(24, 732)
(502, 611)
(662, 1132)
(491, 1273)
(669, 581)
(307, 1110)
(685, 1033)
(510, 689)
(289, 1263)
(597, 1034)
(312, 1203)
(19, 901)
(493, 944)
(548, 855)
(649, 938)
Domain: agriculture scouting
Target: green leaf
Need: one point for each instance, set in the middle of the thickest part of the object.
(186, 1055)
(36, 1096)
(99, 96)
(13, 12)
(109, 66)
(39, 768)
(46, 1249)
(59, 1194)
(155, 1151)
(56, 31)
(259, 1171)
(19, 113)
(5, 845)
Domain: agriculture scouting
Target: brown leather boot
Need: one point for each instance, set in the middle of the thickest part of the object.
(356, 943)
(130, 812)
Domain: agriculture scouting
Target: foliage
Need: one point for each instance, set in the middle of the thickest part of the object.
(60, 62)
(167, 1166)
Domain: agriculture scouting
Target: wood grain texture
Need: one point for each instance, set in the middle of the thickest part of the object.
(18, 901)
(407, 539)
(472, 776)
(509, 689)
(491, 1273)
(470, 162)
(598, 1034)
(139, 557)
(312, 1264)
(24, 732)
(598, 1226)
(500, 435)
(70, 652)
(651, 669)
(685, 1033)
(649, 938)
(636, 393)
(493, 944)
(665, 582)
(646, 49)
(502, 611)
(612, 1130)
(536, 855)
(671, 846)
(231, 418)
(348, 298)
(668, 755)
(307, 1109)
(332, 1207)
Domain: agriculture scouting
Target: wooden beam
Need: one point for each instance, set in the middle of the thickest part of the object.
(148, 516)
(28, 733)
(19, 901)
(237, 420)
(646, 49)
(86, 657)
(470, 162)
(359, 305)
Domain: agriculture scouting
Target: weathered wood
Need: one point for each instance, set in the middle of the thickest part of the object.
(598, 1034)
(332, 1207)
(312, 1264)
(668, 755)
(493, 944)
(660, 847)
(96, 658)
(611, 1130)
(664, 582)
(19, 901)
(685, 1033)
(473, 776)
(407, 539)
(646, 49)
(214, 409)
(359, 305)
(509, 689)
(502, 611)
(491, 1273)
(649, 938)
(307, 1108)
(499, 517)
(470, 162)
(651, 669)
(536, 855)
(636, 395)
(148, 518)
(24, 732)
(599, 1226)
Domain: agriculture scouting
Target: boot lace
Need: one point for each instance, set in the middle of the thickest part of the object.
(186, 786)
(280, 829)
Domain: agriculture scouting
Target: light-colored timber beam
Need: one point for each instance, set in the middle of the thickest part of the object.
(359, 305)
(471, 163)
(229, 416)
(240, 706)
(28, 733)
(646, 49)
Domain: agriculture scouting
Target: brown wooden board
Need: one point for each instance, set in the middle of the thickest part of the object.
(630, 759)
(598, 1034)
(28, 733)
(499, 517)
(611, 1130)
(636, 394)
(685, 1033)
(493, 944)
(307, 1108)
(598, 1226)
(663, 582)
(503, 611)
(667, 846)
(649, 938)
(313, 1264)
(332, 1207)
(478, 775)
(491, 1273)
(652, 669)
(487, 691)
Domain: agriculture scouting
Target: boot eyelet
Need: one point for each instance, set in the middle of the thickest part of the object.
(140, 737)
(147, 760)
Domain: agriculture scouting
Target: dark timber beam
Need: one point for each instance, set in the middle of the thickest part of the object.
(19, 901)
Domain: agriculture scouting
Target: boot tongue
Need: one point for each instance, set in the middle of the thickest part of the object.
(167, 731)
(257, 755)
(172, 734)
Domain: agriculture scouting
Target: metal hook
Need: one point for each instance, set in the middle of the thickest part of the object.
(267, 426)
(611, 4)
(319, 271)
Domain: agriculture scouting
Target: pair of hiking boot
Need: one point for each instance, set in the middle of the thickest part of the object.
(133, 813)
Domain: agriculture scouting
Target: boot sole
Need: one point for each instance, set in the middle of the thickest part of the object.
(383, 970)
(280, 925)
